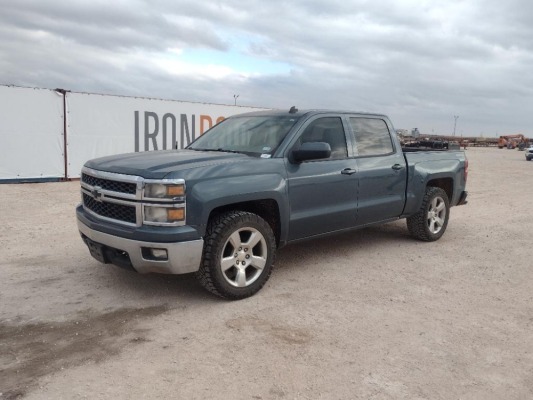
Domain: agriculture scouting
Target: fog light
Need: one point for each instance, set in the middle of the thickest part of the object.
(159, 254)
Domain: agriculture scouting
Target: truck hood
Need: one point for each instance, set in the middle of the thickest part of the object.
(157, 164)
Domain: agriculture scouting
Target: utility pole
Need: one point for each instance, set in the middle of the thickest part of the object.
(235, 97)
(455, 123)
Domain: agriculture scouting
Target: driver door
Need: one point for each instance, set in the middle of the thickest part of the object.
(322, 193)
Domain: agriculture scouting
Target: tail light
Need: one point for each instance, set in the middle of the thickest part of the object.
(466, 170)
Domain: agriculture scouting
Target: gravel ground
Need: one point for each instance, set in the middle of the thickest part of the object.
(368, 314)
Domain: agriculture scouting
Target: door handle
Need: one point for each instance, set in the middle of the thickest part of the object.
(397, 167)
(348, 171)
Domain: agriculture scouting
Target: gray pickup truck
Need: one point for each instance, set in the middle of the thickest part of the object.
(255, 182)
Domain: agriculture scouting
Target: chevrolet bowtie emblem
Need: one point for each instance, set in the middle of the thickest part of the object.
(97, 193)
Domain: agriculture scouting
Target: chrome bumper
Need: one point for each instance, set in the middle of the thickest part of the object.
(183, 257)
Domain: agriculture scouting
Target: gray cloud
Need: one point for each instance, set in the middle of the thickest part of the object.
(420, 62)
(120, 25)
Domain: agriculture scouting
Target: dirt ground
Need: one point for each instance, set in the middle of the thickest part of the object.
(371, 314)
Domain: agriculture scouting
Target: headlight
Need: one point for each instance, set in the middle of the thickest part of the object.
(164, 215)
(163, 190)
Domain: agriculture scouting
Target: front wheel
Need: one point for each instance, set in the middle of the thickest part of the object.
(239, 250)
(430, 222)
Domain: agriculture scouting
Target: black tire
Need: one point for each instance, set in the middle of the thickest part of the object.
(428, 224)
(226, 237)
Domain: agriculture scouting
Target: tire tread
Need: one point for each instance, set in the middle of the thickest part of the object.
(213, 233)
(417, 223)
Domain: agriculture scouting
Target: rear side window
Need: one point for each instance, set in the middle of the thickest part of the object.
(329, 130)
(372, 136)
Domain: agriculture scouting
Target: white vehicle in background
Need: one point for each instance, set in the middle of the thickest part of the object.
(529, 153)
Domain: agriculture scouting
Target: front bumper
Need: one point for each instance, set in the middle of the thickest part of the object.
(182, 257)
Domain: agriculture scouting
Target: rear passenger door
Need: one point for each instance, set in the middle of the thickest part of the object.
(382, 171)
(323, 193)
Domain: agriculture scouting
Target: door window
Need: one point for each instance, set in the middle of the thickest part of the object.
(372, 136)
(328, 130)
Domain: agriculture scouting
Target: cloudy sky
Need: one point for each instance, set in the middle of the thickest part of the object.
(420, 62)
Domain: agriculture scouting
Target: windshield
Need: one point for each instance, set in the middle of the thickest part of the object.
(254, 135)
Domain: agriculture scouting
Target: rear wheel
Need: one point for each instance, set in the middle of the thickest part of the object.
(430, 222)
(239, 250)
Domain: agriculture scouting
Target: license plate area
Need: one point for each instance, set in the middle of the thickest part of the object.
(96, 250)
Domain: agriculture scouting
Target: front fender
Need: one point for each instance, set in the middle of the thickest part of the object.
(209, 194)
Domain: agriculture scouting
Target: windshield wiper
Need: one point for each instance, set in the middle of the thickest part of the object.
(220, 149)
(227, 150)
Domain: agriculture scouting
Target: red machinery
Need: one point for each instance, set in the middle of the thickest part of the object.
(513, 141)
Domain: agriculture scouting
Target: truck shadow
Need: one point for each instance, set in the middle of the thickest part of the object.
(348, 244)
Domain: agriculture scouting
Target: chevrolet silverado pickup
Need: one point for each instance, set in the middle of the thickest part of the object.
(256, 182)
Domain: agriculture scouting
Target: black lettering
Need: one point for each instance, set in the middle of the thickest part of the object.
(136, 113)
(165, 126)
(184, 130)
(193, 128)
(147, 134)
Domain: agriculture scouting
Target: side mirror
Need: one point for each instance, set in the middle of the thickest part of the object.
(311, 151)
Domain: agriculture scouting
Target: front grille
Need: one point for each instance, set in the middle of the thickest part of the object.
(115, 186)
(119, 212)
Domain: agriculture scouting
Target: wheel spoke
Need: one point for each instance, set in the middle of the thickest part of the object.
(255, 238)
(227, 263)
(258, 262)
(439, 222)
(440, 207)
(235, 240)
(434, 204)
(239, 248)
(432, 226)
(240, 279)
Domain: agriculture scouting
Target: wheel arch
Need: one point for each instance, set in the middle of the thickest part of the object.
(268, 209)
(445, 184)
(416, 189)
